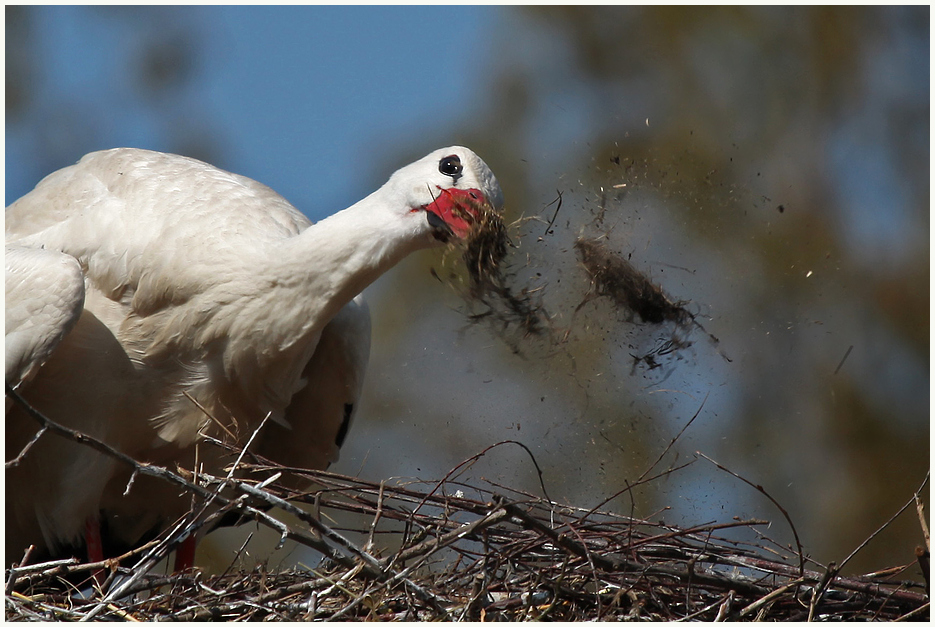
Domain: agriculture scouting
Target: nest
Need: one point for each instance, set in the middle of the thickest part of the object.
(464, 552)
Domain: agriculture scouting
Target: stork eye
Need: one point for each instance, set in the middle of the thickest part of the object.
(450, 166)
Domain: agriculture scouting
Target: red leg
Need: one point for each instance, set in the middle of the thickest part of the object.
(185, 554)
(92, 539)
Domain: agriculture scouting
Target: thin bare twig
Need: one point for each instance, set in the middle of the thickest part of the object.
(759, 488)
(19, 458)
(554, 215)
(674, 440)
(887, 523)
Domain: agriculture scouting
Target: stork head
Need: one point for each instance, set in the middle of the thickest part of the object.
(446, 190)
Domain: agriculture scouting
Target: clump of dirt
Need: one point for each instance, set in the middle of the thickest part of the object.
(485, 250)
(517, 315)
(632, 291)
(616, 277)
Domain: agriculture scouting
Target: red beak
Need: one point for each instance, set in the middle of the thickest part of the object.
(454, 211)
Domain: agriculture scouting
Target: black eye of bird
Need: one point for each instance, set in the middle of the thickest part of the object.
(450, 166)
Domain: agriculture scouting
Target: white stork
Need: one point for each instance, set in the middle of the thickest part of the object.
(147, 291)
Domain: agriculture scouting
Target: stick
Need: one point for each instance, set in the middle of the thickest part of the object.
(795, 534)
(555, 215)
(674, 440)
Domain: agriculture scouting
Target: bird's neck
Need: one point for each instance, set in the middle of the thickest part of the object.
(306, 281)
(334, 260)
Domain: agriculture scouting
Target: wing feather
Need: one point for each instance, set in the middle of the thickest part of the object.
(44, 292)
(321, 413)
(148, 228)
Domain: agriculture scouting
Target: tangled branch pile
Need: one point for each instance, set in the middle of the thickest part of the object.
(459, 552)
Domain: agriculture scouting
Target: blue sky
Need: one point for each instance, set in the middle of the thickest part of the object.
(299, 95)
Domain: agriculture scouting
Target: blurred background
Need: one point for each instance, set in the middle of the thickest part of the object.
(767, 166)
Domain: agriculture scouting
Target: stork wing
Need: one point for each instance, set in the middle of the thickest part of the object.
(320, 414)
(149, 226)
(44, 299)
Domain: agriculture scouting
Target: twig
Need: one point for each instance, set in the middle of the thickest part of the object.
(674, 440)
(19, 458)
(887, 523)
(243, 547)
(629, 490)
(211, 416)
(14, 572)
(554, 215)
(920, 510)
(916, 613)
(434, 544)
(766, 598)
(724, 608)
(246, 446)
(320, 527)
(473, 458)
(924, 560)
(819, 591)
(795, 534)
(376, 517)
(719, 603)
(846, 353)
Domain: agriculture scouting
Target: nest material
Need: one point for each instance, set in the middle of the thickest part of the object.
(461, 552)
(630, 289)
(632, 292)
(484, 252)
(611, 275)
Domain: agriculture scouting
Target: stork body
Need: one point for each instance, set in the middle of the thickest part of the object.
(209, 302)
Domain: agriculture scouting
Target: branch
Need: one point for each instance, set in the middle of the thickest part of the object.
(795, 534)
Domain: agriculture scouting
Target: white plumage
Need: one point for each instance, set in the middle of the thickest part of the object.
(141, 285)
(35, 326)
